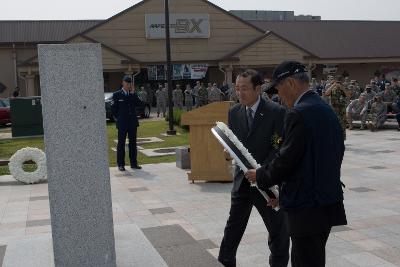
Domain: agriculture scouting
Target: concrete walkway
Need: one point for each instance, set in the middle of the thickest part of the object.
(182, 223)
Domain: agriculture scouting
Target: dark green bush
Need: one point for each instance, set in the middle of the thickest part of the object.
(177, 113)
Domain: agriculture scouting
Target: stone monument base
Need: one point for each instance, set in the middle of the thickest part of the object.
(132, 249)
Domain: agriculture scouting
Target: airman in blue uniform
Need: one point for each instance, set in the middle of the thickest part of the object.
(124, 106)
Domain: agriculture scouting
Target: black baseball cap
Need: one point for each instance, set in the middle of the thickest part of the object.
(284, 70)
(127, 79)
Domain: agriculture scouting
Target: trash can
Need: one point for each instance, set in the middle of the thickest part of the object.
(183, 157)
(26, 116)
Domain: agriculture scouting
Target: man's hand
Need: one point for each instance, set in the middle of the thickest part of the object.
(251, 175)
(227, 155)
(273, 203)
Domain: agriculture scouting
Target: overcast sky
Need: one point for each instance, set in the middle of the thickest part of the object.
(95, 9)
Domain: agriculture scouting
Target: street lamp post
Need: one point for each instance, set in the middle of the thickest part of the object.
(171, 130)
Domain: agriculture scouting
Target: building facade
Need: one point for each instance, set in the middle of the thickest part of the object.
(208, 44)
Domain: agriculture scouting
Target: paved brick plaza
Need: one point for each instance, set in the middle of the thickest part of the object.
(160, 195)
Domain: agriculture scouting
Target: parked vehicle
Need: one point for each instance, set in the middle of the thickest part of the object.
(141, 111)
(5, 115)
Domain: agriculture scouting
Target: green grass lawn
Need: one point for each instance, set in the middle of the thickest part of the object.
(146, 129)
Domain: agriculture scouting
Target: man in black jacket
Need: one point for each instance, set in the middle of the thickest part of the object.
(123, 108)
(307, 166)
(254, 121)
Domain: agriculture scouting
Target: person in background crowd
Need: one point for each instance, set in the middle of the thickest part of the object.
(374, 87)
(177, 97)
(377, 114)
(369, 93)
(356, 110)
(16, 92)
(321, 86)
(214, 95)
(382, 83)
(142, 94)
(161, 101)
(196, 93)
(224, 90)
(188, 97)
(209, 87)
(232, 94)
(389, 98)
(339, 95)
(202, 96)
(395, 86)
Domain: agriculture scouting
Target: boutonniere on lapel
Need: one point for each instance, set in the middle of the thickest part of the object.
(276, 141)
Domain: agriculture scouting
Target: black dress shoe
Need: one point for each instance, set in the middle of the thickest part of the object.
(136, 167)
(121, 168)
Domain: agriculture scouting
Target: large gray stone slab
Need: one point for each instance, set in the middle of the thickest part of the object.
(133, 248)
(71, 79)
(31, 251)
(178, 248)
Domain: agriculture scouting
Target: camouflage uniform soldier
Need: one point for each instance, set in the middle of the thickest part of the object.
(374, 87)
(369, 93)
(338, 95)
(357, 111)
(215, 94)
(196, 93)
(161, 103)
(142, 94)
(177, 97)
(188, 97)
(165, 94)
(328, 84)
(209, 87)
(396, 86)
(377, 114)
(389, 98)
(232, 94)
(202, 96)
(355, 90)
(150, 93)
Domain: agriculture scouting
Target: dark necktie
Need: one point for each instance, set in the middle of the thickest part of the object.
(249, 118)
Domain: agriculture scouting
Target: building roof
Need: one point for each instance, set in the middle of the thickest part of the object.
(340, 39)
(323, 39)
(41, 31)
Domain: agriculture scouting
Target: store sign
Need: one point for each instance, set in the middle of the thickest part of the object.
(181, 25)
(179, 72)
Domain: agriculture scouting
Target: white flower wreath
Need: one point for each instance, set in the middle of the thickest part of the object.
(25, 154)
(245, 152)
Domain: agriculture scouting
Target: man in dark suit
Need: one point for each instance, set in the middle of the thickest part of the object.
(307, 165)
(254, 121)
(124, 106)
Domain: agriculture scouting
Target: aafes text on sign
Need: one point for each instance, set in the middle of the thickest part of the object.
(181, 26)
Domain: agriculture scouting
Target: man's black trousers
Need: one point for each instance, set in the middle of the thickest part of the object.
(242, 203)
(131, 132)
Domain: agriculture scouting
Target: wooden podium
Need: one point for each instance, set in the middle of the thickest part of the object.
(206, 154)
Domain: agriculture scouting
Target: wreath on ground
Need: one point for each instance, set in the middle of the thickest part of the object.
(28, 154)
